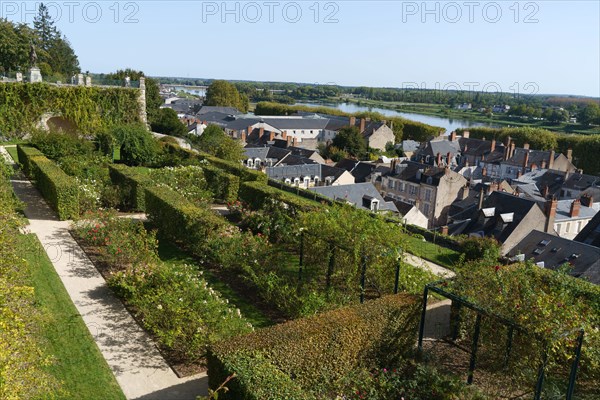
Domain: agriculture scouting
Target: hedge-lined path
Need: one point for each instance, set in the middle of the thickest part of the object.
(138, 366)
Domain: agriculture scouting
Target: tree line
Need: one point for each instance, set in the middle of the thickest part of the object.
(55, 56)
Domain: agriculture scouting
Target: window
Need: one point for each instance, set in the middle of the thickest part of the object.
(402, 186)
(288, 181)
(427, 194)
(412, 190)
(374, 205)
(578, 227)
(390, 183)
(306, 181)
(297, 181)
(426, 209)
(250, 163)
(557, 228)
(568, 227)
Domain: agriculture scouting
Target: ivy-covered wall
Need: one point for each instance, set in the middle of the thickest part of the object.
(89, 108)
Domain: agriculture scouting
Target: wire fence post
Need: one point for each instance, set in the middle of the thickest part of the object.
(397, 280)
(422, 323)
(509, 343)
(363, 273)
(330, 266)
(474, 349)
(540, 381)
(575, 366)
(301, 263)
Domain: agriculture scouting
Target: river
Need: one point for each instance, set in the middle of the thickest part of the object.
(449, 123)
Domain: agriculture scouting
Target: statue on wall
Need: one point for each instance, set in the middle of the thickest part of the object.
(33, 55)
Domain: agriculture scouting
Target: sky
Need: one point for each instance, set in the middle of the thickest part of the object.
(548, 47)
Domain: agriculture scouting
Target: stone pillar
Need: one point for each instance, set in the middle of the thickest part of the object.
(88, 81)
(19, 77)
(35, 75)
(142, 101)
(80, 80)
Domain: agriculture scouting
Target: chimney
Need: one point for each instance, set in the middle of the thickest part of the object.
(481, 197)
(271, 136)
(575, 208)
(570, 155)
(587, 200)
(448, 158)
(506, 152)
(465, 192)
(512, 150)
(295, 142)
(466, 134)
(493, 147)
(525, 161)
(453, 136)
(444, 230)
(546, 191)
(551, 161)
(543, 164)
(284, 135)
(243, 137)
(352, 120)
(261, 132)
(519, 174)
(438, 160)
(249, 130)
(362, 125)
(550, 214)
(526, 146)
(484, 171)
(289, 141)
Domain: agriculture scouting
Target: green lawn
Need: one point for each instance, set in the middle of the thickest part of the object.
(432, 252)
(13, 153)
(171, 254)
(78, 362)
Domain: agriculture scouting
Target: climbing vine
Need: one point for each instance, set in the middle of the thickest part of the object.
(89, 108)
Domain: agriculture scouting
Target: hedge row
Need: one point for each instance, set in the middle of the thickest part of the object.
(132, 186)
(245, 174)
(181, 220)
(316, 353)
(223, 185)
(256, 194)
(307, 194)
(59, 189)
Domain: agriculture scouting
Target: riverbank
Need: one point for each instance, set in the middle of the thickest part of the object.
(444, 111)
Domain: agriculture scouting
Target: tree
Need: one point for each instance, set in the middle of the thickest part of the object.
(590, 114)
(224, 94)
(168, 123)
(216, 142)
(44, 26)
(14, 45)
(351, 141)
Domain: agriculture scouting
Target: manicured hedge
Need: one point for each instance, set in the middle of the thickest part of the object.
(255, 194)
(245, 174)
(59, 189)
(316, 353)
(223, 185)
(181, 220)
(132, 185)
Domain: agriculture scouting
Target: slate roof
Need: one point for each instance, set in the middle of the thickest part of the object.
(555, 251)
(410, 145)
(359, 169)
(355, 194)
(297, 123)
(214, 117)
(590, 234)
(580, 181)
(300, 171)
(403, 207)
(476, 147)
(408, 171)
(491, 220)
(535, 157)
(442, 146)
(563, 211)
(223, 110)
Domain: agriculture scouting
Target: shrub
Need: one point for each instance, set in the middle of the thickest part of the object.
(182, 221)
(318, 352)
(138, 146)
(189, 181)
(257, 195)
(60, 190)
(176, 305)
(225, 186)
(56, 145)
(234, 168)
(132, 184)
(485, 248)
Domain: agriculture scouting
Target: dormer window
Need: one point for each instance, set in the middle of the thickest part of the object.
(306, 181)
(288, 181)
(250, 163)
(296, 181)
